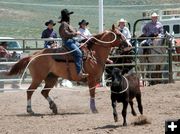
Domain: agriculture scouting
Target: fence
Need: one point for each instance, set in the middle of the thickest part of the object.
(172, 67)
(170, 71)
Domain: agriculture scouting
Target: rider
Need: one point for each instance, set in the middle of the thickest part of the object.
(67, 32)
(152, 29)
(49, 33)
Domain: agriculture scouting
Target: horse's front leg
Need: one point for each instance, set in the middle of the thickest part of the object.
(92, 100)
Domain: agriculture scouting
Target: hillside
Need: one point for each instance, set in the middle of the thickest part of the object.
(95, 2)
(26, 18)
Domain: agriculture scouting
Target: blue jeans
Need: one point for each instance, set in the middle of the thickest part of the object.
(77, 54)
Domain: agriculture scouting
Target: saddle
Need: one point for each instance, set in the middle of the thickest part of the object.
(63, 54)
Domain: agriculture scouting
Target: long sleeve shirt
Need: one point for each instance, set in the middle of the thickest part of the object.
(152, 28)
(125, 31)
(84, 32)
(66, 31)
(48, 33)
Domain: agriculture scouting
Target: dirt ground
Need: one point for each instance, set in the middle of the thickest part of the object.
(160, 102)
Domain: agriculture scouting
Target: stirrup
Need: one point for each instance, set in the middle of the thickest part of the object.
(83, 75)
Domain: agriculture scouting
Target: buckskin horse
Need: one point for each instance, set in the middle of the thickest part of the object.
(44, 67)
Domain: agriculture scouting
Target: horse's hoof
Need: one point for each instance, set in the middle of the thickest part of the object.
(134, 114)
(115, 119)
(53, 107)
(54, 110)
(30, 111)
(95, 111)
(124, 124)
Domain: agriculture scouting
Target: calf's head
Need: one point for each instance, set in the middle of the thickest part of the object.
(116, 77)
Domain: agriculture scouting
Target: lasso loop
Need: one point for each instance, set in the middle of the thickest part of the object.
(47, 54)
(124, 89)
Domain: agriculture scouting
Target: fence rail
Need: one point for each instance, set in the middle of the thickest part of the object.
(168, 55)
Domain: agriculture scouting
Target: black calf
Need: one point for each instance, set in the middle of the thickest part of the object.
(124, 89)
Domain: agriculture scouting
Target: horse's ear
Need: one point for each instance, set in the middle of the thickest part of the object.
(113, 27)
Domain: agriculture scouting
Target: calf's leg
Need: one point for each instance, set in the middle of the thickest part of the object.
(114, 111)
(140, 107)
(132, 108)
(124, 112)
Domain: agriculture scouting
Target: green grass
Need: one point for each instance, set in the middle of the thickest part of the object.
(27, 21)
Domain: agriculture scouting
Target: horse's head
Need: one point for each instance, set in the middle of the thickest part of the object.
(170, 40)
(120, 39)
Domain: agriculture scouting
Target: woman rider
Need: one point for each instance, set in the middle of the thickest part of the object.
(67, 33)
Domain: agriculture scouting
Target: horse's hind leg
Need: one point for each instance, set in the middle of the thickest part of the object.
(30, 91)
(50, 81)
(140, 107)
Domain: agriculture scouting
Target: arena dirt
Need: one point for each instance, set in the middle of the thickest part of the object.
(160, 102)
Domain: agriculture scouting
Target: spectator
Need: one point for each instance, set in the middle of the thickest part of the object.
(84, 30)
(49, 33)
(123, 29)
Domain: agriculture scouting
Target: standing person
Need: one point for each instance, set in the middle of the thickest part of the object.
(67, 32)
(49, 33)
(128, 49)
(123, 29)
(84, 30)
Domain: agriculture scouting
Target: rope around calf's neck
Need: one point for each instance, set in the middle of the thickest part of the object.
(124, 89)
(48, 54)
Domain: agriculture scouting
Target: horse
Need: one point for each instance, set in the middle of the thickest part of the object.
(43, 67)
(124, 89)
(159, 50)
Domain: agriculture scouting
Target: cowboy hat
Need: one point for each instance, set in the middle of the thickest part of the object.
(122, 20)
(154, 15)
(65, 12)
(83, 22)
(50, 22)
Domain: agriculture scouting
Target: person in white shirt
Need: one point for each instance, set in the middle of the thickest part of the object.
(84, 30)
(128, 49)
(123, 29)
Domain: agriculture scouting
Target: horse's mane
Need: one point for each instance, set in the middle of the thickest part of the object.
(92, 41)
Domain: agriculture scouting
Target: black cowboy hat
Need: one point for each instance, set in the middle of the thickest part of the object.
(50, 22)
(84, 22)
(64, 13)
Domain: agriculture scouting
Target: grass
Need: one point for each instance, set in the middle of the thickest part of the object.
(27, 21)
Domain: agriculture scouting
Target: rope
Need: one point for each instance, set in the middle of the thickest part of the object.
(106, 42)
(124, 89)
(65, 89)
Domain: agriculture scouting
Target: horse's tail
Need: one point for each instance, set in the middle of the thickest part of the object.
(19, 66)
